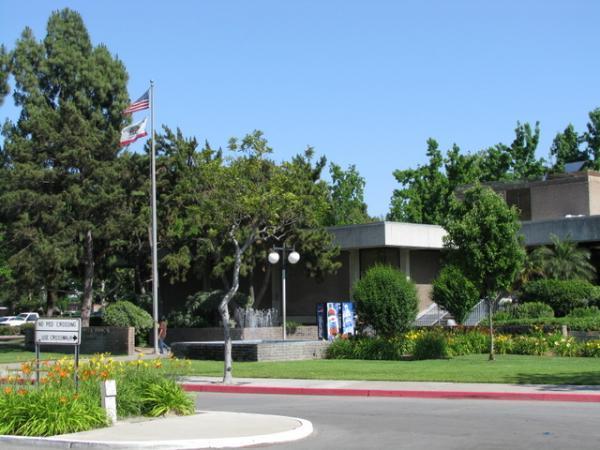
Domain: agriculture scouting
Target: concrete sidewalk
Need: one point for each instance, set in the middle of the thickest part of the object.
(208, 429)
(570, 393)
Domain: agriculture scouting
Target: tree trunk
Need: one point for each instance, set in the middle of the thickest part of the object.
(265, 285)
(51, 301)
(88, 282)
(223, 306)
(490, 314)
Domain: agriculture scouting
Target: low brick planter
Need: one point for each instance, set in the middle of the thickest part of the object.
(252, 350)
(113, 340)
(308, 333)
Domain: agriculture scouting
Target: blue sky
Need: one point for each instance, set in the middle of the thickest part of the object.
(364, 82)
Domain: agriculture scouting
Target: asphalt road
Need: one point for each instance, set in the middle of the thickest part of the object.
(395, 423)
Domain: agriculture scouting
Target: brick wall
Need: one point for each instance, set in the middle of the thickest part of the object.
(263, 351)
(113, 340)
(237, 334)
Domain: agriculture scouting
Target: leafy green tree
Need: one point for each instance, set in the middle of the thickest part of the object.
(483, 241)
(423, 196)
(386, 300)
(427, 191)
(346, 197)
(454, 292)
(592, 137)
(566, 148)
(62, 150)
(253, 201)
(563, 260)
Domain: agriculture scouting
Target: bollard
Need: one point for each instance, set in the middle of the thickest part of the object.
(565, 332)
(109, 399)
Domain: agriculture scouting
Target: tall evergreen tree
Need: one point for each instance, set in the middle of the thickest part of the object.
(592, 137)
(63, 148)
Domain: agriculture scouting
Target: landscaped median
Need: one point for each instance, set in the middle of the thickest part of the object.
(144, 388)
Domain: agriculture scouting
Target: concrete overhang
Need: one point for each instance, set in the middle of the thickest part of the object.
(577, 229)
(389, 234)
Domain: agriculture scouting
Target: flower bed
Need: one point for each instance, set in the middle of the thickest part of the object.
(56, 407)
(461, 342)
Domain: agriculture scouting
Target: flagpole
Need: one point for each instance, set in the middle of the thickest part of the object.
(154, 226)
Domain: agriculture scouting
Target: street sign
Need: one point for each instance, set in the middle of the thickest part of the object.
(44, 324)
(58, 331)
(57, 337)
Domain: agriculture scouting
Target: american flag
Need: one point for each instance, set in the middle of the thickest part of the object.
(140, 104)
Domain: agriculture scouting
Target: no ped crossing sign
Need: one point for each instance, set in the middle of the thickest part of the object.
(58, 331)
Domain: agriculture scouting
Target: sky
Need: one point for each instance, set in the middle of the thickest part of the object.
(363, 82)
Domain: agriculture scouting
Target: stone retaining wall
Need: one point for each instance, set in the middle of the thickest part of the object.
(113, 340)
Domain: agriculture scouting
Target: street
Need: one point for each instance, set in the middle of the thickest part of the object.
(415, 424)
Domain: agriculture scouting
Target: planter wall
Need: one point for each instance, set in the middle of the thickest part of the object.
(113, 340)
(239, 334)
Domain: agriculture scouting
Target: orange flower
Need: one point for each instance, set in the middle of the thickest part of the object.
(63, 400)
(22, 391)
(44, 380)
(26, 368)
(104, 374)
(63, 374)
(8, 390)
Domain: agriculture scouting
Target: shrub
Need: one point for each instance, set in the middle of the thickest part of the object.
(48, 411)
(431, 345)
(455, 293)
(386, 300)
(165, 396)
(201, 309)
(588, 311)
(533, 310)
(370, 348)
(573, 323)
(530, 345)
(591, 349)
(561, 295)
(126, 314)
(468, 342)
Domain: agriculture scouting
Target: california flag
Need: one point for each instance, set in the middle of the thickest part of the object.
(133, 132)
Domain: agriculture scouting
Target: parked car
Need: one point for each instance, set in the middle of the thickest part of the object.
(22, 319)
(5, 319)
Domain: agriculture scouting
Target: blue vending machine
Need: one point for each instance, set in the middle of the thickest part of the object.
(348, 319)
(335, 319)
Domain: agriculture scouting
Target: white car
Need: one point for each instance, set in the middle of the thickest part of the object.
(22, 319)
(5, 319)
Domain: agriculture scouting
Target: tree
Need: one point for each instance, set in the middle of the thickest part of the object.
(346, 197)
(386, 300)
(483, 241)
(422, 198)
(566, 148)
(592, 137)
(563, 260)
(455, 293)
(61, 152)
(426, 193)
(252, 200)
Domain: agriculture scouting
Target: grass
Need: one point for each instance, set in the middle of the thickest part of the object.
(464, 369)
(11, 352)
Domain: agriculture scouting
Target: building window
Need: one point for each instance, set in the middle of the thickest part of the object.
(371, 256)
(521, 198)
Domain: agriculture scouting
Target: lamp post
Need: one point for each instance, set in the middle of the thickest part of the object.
(293, 258)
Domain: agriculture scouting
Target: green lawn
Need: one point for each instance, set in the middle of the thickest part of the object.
(464, 369)
(11, 352)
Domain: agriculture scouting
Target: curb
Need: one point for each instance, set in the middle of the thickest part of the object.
(26, 443)
(532, 396)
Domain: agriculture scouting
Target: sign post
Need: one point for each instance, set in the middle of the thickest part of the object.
(65, 331)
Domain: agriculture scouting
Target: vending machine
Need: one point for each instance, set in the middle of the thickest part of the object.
(335, 319)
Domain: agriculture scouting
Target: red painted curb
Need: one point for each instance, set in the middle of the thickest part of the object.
(537, 396)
